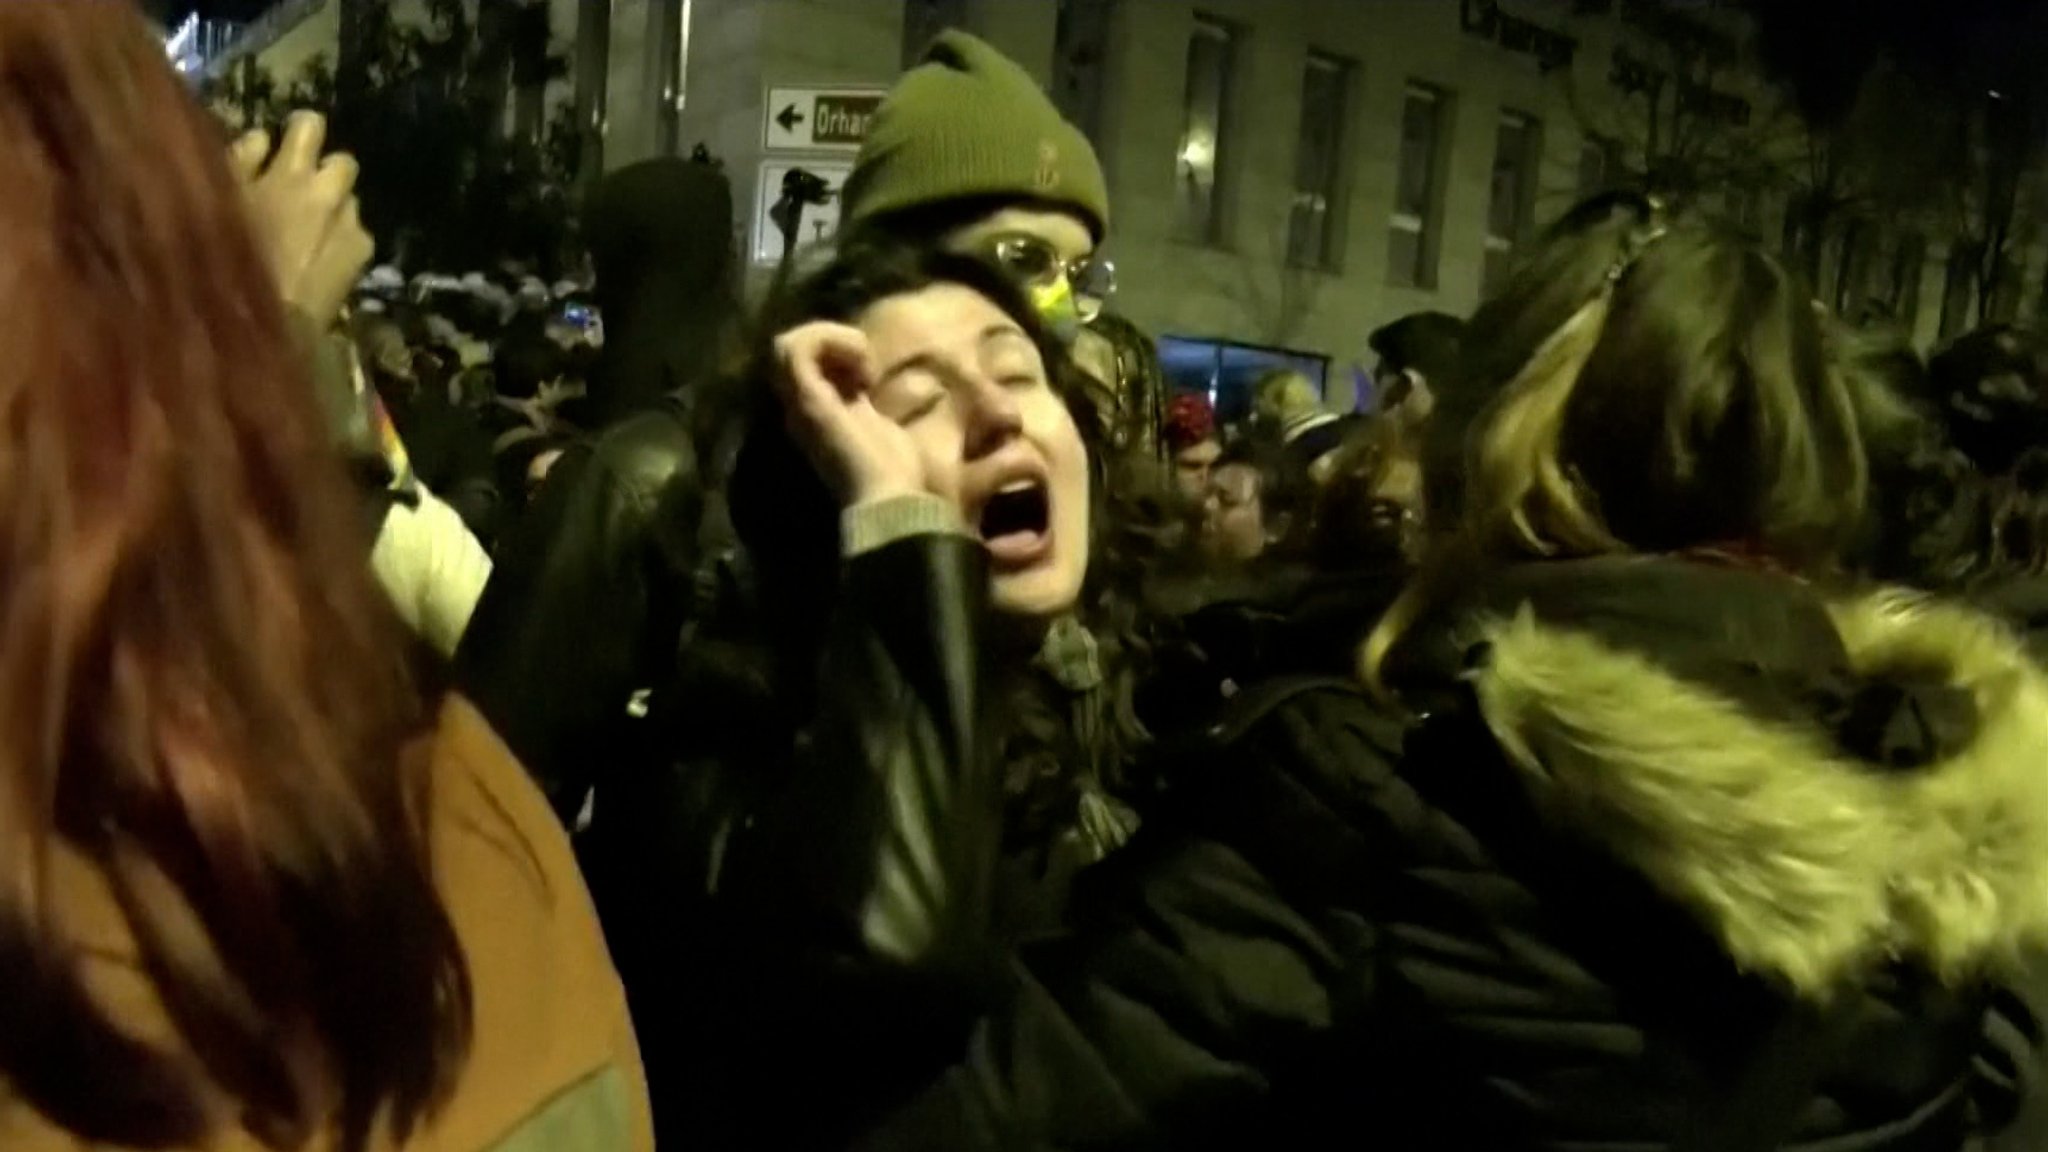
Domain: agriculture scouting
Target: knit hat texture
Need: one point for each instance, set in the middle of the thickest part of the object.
(968, 122)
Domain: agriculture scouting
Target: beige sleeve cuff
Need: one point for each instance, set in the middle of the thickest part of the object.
(867, 527)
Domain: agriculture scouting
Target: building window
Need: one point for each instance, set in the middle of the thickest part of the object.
(1414, 229)
(1600, 165)
(1080, 50)
(1517, 149)
(1204, 140)
(1225, 371)
(1315, 231)
(923, 20)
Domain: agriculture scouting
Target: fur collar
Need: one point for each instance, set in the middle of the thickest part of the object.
(1812, 867)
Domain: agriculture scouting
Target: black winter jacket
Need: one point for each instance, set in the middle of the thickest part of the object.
(1671, 834)
(800, 950)
(586, 606)
(1265, 622)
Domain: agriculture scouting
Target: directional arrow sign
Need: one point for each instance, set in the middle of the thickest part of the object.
(819, 119)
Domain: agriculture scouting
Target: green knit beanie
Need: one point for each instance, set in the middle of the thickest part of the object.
(968, 122)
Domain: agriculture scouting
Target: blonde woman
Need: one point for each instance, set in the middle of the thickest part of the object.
(1650, 835)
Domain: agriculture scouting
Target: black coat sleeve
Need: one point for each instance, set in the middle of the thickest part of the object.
(585, 604)
(1176, 1018)
(805, 933)
(1217, 972)
(1212, 974)
(882, 844)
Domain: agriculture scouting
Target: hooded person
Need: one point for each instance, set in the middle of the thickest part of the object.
(661, 244)
(595, 583)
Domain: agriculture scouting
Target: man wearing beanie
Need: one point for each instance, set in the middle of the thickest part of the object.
(967, 153)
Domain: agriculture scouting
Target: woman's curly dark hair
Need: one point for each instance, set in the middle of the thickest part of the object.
(1060, 740)
(1136, 406)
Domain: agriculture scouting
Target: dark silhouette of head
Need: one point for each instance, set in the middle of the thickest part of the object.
(662, 247)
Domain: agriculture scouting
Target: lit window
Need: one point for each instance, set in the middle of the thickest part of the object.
(1414, 228)
(1203, 160)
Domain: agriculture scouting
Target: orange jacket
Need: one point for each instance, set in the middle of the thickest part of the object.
(553, 1064)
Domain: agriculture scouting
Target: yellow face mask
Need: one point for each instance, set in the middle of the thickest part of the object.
(1056, 305)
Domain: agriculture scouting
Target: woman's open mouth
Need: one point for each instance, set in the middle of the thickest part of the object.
(1016, 523)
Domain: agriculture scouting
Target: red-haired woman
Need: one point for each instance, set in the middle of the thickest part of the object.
(253, 892)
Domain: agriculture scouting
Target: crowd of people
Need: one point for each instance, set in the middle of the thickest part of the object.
(478, 714)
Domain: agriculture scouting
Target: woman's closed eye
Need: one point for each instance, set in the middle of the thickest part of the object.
(924, 404)
(907, 401)
(1015, 370)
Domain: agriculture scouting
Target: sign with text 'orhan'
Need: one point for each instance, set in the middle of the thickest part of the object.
(818, 119)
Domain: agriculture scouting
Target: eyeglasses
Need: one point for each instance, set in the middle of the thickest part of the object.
(1037, 264)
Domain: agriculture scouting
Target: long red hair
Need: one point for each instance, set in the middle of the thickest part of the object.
(201, 691)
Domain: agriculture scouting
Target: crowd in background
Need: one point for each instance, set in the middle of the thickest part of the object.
(466, 713)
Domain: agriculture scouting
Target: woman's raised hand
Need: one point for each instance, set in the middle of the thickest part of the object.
(827, 374)
(302, 203)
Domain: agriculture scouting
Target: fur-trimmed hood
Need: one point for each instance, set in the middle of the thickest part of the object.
(1811, 861)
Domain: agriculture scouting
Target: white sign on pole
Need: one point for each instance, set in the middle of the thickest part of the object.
(818, 119)
(820, 221)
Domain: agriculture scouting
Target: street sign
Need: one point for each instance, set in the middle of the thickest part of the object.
(818, 119)
(820, 221)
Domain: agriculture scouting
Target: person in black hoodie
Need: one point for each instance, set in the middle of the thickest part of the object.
(577, 653)
(1655, 832)
(581, 622)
